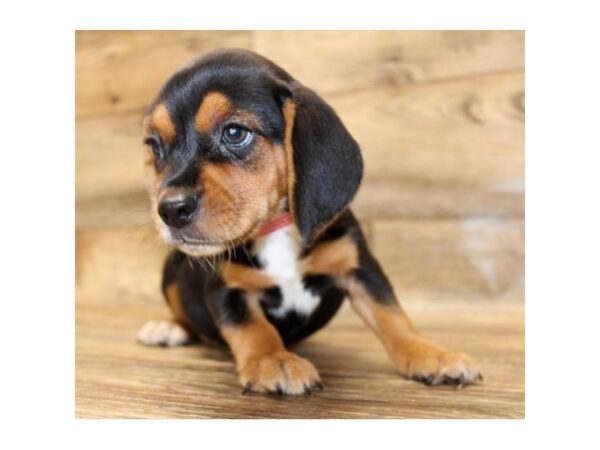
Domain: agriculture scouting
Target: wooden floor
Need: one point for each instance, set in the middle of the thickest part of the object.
(117, 291)
(439, 116)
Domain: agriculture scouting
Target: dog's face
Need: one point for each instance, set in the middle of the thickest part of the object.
(233, 140)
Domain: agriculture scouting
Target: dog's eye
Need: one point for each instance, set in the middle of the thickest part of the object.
(236, 136)
(154, 144)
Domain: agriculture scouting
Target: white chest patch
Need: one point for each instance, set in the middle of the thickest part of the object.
(278, 252)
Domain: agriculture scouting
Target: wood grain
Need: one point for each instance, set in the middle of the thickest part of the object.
(453, 260)
(358, 61)
(119, 71)
(450, 148)
(116, 377)
(108, 159)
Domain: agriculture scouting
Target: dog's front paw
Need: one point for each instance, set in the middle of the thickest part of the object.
(279, 373)
(163, 333)
(435, 366)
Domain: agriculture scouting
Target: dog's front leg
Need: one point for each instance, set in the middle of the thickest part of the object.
(262, 361)
(415, 357)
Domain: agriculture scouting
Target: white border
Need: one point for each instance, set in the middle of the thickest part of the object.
(562, 223)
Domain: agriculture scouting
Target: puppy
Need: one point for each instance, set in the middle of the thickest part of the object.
(250, 174)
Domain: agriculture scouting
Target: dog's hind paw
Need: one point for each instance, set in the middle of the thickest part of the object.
(164, 333)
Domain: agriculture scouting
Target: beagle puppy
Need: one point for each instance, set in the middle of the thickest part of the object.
(250, 174)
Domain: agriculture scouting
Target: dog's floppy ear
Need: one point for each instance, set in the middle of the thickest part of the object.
(324, 162)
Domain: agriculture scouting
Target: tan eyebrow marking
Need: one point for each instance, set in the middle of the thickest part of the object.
(214, 107)
(161, 121)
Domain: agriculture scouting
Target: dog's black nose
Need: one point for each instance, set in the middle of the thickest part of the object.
(178, 213)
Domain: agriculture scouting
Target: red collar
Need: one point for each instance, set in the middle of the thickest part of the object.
(279, 222)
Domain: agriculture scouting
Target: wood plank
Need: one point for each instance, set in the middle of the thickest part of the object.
(453, 260)
(119, 71)
(119, 264)
(129, 208)
(348, 61)
(108, 156)
(118, 378)
(117, 286)
(450, 148)
(122, 70)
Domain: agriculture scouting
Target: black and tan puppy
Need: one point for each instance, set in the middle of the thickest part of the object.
(254, 171)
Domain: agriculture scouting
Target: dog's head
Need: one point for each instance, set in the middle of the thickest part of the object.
(231, 142)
